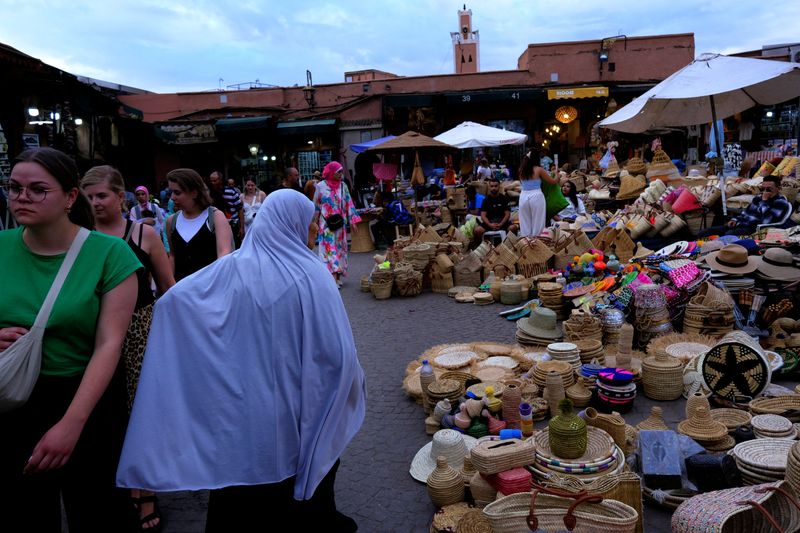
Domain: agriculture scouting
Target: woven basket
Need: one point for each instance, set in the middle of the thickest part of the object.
(732, 418)
(698, 220)
(579, 394)
(365, 284)
(653, 422)
(625, 487)
(491, 457)
(408, 283)
(510, 513)
(381, 290)
(788, 406)
(662, 377)
(482, 492)
(467, 278)
(474, 521)
(731, 510)
(568, 434)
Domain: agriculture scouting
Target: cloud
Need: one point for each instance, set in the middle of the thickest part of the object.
(166, 45)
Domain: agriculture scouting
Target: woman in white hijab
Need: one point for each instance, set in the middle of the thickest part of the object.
(260, 418)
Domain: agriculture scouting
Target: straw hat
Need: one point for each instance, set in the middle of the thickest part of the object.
(631, 186)
(636, 165)
(732, 259)
(778, 263)
(710, 246)
(541, 323)
(448, 443)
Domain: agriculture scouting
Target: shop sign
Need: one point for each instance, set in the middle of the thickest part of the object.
(188, 133)
(577, 92)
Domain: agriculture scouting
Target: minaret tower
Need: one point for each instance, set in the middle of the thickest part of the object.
(466, 57)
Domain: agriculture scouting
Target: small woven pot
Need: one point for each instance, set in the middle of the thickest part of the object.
(613, 424)
(579, 394)
(697, 399)
(512, 397)
(445, 485)
(662, 377)
(568, 435)
(482, 492)
(655, 421)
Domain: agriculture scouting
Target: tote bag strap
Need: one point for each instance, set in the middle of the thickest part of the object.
(63, 271)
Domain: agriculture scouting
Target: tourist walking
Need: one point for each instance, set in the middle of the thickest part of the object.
(104, 187)
(227, 199)
(64, 443)
(260, 419)
(145, 211)
(252, 198)
(335, 215)
(198, 233)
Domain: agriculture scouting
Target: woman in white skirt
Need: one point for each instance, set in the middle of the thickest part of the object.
(532, 205)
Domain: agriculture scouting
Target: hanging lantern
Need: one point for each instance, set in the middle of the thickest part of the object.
(566, 114)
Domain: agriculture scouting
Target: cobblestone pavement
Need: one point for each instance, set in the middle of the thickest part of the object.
(373, 484)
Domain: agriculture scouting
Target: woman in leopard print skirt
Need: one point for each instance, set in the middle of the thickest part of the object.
(105, 189)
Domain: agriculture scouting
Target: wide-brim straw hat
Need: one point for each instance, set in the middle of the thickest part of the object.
(447, 443)
(732, 259)
(778, 263)
(710, 246)
(541, 323)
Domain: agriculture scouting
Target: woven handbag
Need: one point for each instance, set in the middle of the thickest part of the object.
(754, 509)
(491, 457)
(547, 509)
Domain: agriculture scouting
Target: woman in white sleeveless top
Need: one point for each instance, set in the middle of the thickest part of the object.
(252, 198)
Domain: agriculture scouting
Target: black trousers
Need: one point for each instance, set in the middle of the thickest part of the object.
(258, 508)
(32, 503)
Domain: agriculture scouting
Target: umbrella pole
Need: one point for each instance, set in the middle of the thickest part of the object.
(720, 164)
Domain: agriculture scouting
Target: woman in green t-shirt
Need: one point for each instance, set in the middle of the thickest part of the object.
(64, 443)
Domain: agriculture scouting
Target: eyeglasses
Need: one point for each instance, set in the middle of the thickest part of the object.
(35, 193)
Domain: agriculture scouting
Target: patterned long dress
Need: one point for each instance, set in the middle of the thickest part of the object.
(333, 244)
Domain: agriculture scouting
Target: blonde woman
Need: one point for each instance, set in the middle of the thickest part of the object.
(252, 198)
(104, 187)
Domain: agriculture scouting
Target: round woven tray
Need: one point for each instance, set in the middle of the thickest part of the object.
(474, 521)
(493, 348)
(732, 418)
(479, 389)
(767, 424)
(600, 446)
(502, 361)
(452, 360)
(617, 466)
(763, 454)
(451, 292)
(493, 373)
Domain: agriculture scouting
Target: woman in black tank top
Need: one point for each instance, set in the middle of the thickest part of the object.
(197, 234)
(105, 189)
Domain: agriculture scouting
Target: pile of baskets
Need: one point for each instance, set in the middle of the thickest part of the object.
(381, 282)
(709, 312)
(407, 280)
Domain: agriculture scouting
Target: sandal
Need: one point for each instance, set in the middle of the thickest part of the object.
(155, 515)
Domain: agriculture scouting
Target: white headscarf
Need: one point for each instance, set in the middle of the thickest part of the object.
(251, 374)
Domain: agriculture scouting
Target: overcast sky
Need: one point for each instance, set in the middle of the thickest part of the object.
(182, 45)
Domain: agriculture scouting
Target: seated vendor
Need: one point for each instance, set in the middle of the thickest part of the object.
(770, 208)
(495, 213)
(575, 206)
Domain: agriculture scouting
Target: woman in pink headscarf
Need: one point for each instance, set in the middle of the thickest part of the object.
(335, 213)
(145, 211)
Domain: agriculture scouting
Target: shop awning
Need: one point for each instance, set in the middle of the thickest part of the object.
(227, 125)
(567, 93)
(307, 127)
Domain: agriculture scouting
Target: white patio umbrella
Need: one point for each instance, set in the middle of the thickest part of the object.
(472, 135)
(713, 86)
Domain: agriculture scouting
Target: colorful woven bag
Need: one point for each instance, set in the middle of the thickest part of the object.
(754, 509)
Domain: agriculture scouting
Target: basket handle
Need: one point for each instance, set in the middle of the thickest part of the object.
(781, 490)
(569, 519)
(771, 519)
